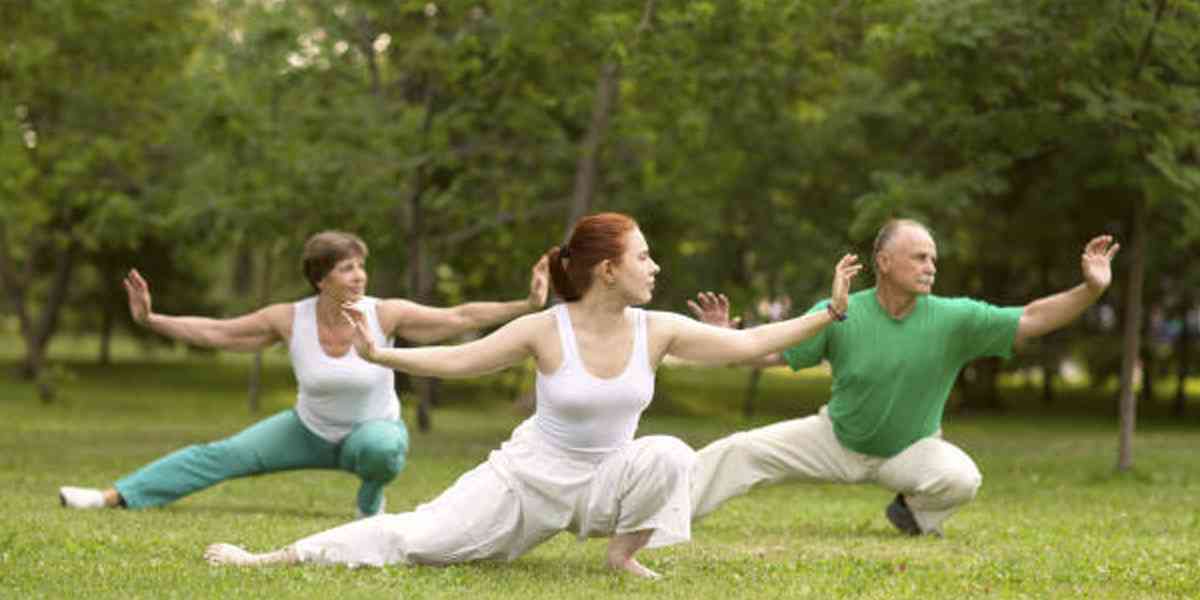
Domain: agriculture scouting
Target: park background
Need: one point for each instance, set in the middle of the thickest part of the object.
(202, 141)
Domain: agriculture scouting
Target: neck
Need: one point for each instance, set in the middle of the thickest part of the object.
(895, 302)
(329, 311)
(599, 310)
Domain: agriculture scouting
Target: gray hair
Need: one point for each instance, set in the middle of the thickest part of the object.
(888, 231)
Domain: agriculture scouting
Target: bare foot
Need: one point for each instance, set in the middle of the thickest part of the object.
(228, 554)
(631, 565)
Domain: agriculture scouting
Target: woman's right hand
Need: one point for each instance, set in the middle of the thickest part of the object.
(139, 297)
(363, 344)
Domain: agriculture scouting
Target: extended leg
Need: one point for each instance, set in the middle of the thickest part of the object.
(805, 449)
(277, 443)
(479, 517)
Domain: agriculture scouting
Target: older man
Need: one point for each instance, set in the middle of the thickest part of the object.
(894, 362)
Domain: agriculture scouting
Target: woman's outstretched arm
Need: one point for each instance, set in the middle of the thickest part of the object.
(505, 347)
(247, 333)
(694, 341)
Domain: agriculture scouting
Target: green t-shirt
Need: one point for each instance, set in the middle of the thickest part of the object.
(891, 377)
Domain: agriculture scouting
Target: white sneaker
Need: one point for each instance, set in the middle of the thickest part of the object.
(382, 505)
(81, 498)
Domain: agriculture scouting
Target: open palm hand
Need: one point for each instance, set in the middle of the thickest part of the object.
(1096, 261)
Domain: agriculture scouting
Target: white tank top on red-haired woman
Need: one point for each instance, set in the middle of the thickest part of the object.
(581, 412)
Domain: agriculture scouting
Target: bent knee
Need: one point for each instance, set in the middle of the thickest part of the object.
(381, 463)
(670, 453)
(962, 486)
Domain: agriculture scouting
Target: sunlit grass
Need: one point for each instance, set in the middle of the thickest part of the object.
(1052, 518)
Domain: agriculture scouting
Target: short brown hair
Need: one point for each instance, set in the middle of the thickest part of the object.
(325, 249)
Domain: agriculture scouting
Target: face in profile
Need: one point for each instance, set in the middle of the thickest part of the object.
(635, 271)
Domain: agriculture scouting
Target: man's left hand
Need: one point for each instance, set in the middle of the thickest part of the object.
(1096, 261)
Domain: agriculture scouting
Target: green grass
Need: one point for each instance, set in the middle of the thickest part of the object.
(1052, 518)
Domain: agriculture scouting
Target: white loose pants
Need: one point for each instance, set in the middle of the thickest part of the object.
(935, 476)
(526, 492)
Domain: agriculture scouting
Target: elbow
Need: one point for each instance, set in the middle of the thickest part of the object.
(1030, 328)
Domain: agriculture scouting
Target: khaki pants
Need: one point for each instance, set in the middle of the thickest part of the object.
(935, 476)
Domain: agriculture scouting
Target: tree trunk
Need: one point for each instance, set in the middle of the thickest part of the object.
(420, 271)
(254, 391)
(1049, 371)
(587, 168)
(1132, 337)
(243, 269)
(1049, 358)
(588, 165)
(37, 340)
(421, 290)
(107, 323)
(1150, 366)
(1183, 356)
(989, 382)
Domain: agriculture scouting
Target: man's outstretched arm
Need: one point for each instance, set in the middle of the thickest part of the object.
(1052, 312)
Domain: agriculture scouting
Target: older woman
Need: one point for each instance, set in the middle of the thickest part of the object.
(575, 464)
(347, 415)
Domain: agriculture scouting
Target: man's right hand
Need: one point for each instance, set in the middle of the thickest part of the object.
(139, 297)
(713, 309)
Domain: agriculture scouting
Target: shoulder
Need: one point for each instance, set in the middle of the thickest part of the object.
(961, 309)
(955, 303)
(859, 298)
(659, 323)
(278, 310)
(391, 306)
(532, 329)
(541, 318)
(392, 312)
(279, 316)
(663, 318)
(863, 295)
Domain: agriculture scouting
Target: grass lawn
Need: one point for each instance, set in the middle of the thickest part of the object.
(1052, 519)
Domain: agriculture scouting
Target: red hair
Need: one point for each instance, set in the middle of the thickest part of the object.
(594, 239)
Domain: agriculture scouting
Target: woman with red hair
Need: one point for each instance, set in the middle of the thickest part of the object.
(575, 464)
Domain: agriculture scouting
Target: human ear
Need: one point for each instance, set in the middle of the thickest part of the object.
(609, 271)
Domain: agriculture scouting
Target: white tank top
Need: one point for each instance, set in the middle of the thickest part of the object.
(581, 412)
(338, 393)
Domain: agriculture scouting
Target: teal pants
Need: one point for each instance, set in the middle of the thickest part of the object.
(374, 450)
